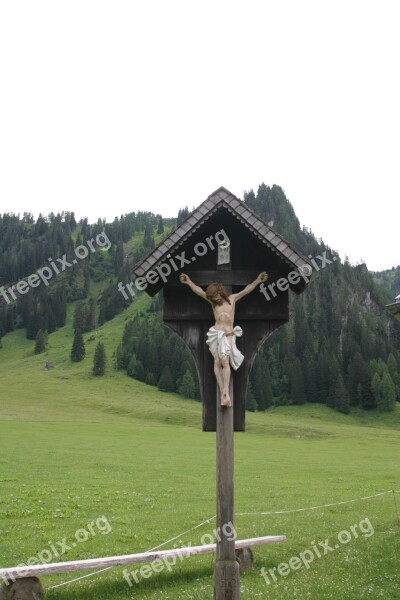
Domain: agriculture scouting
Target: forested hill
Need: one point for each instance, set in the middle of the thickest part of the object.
(340, 348)
(390, 280)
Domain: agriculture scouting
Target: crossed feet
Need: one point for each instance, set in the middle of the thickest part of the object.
(225, 398)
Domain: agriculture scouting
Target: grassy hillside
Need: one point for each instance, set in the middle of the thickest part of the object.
(75, 448)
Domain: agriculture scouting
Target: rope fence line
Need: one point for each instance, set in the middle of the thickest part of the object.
(296, 510)
(150, 550)
(279, 512)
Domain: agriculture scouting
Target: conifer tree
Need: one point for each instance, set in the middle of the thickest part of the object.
(78, 349)
(261, 384)
(150, 379)
(341, 396)
(40, 344)
(297, 383)
(309, 377)
(376, 388)
(148, 240)
(99, 360)
(119, 258)
(79, 322)
(139, 373)
(251, 404)
(132, 366)
(394, 373)
(187, 386)
(166, 383)
(333, 379)
(387, 394)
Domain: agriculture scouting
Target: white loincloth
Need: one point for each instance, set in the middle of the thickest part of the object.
(219, 346)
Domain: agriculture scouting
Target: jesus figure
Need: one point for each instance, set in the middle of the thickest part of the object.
(221, 339)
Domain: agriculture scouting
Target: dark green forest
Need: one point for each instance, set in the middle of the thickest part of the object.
(340, 348)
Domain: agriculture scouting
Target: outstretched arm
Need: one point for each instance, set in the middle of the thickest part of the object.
(195, 288)
(252, 286)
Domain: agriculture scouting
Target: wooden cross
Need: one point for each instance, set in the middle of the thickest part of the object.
(254, 247)
(226, 573)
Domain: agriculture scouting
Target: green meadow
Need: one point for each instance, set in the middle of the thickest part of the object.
(76, 449)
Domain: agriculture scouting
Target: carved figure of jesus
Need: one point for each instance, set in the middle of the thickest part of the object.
(221, 339)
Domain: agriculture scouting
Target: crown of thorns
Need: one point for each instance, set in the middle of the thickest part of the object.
(216, 288)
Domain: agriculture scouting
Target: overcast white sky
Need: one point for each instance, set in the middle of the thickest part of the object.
(112, 107)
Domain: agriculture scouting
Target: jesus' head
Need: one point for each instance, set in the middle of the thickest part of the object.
(217, 294)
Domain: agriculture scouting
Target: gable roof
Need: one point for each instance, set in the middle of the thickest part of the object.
(218, 199)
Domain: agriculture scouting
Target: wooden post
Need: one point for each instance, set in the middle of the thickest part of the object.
(226, 571)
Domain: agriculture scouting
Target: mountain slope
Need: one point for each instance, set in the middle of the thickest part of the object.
(340, 347)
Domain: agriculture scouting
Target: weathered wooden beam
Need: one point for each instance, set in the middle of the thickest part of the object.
(226, 571)
(227, 277)
(115, 561)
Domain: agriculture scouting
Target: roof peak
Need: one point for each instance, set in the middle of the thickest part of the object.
(222, 194)
(218, 199)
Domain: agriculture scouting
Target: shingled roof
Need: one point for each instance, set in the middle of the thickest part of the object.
(218, 199)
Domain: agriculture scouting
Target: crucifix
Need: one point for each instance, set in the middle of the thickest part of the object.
(221, 340)
(245, 253)
(222, 336)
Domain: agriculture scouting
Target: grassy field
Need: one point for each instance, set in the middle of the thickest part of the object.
(77, 450)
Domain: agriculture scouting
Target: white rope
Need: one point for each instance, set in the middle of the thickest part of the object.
(150, 550)
(53, 587)
(285, 512)
(279, 512)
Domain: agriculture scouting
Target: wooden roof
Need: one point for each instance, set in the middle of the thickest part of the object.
(222, 198)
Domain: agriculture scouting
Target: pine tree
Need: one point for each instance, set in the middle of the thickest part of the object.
(251, 404)
(119, 258)
(148, 240)
(166, 383)
(92, 314)
(334, 373)
(40, 344)
(322, 376)
(78, 349)
(183, 213)
(150, 379)
(131, 366)
(376, 388)
(261, 383)
(360, 383)
(388, 394)
(99, 360)
(139, 373)
(297, 383)
(187, 386)
(160, 227)
(394, 373)
(341, 396)
(79, 322)
(309, 377)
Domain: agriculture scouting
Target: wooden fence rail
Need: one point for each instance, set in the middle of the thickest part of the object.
(115, 561)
